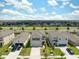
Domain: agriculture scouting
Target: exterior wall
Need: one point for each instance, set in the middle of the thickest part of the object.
(77, 33)
(8, 38)
(51, 40)
(43, 39)
(26, 40)
(36, 43)
(62, 41)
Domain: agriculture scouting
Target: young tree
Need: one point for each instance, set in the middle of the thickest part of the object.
(57, 28)
(11, 28)
(22, 28)
(68, 28)
(1, 28)
(45, 28)
(34, 28)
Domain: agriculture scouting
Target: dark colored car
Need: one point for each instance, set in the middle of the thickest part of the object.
(70, 51)
(13, 48)
(18, 48)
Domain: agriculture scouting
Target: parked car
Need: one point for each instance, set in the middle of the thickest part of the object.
(70, 51)
(13, 48)
(18, 48)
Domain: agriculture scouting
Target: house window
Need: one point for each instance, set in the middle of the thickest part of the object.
(36, 39)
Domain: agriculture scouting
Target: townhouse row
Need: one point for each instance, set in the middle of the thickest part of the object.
(38, 38)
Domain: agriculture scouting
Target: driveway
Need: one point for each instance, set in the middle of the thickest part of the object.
(35, 53)
(68, 56)
(77, 47)
(13, 55)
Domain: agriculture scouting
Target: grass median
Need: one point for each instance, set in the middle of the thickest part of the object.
(26, 50)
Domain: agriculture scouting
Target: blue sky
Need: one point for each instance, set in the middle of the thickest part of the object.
(39, 9)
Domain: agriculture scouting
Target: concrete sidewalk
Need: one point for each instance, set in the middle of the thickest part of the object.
(35, 53)
(13, 55)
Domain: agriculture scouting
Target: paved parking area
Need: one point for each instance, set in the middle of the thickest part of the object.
(35, 53)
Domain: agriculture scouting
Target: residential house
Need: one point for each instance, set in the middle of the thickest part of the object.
(21, 39)
(37, 38)
(58, 38)
(73, 39)
(6, 36)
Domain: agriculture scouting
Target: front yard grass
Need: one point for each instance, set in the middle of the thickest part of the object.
(26, 50)
(54, 58)
(74, 49)
(5, 50)
(50, 51)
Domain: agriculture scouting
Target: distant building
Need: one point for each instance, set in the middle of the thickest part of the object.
(6, 36)
(58, 38)
(21, 39)
(37, 38)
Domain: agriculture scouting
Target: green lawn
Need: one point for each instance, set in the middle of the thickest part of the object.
(2, 58)
(50, 51)
(39, 27)
(20, 58)
(54, 58)
(5, 49)
(75, 50)
(26, 50)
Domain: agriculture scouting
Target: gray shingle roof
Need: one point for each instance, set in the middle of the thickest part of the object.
(74, 38)
(4, 33)
(58, 34)
(37, 33)
(21, 38)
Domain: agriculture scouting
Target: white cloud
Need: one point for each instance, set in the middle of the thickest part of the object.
(23, 4)
(11, 12)
(64, 3)
(53, 3)
(74, 6)
(76, 12)
(2, 5)
(43, 9)
(72, 16)
(52, 16)
(64, 0)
